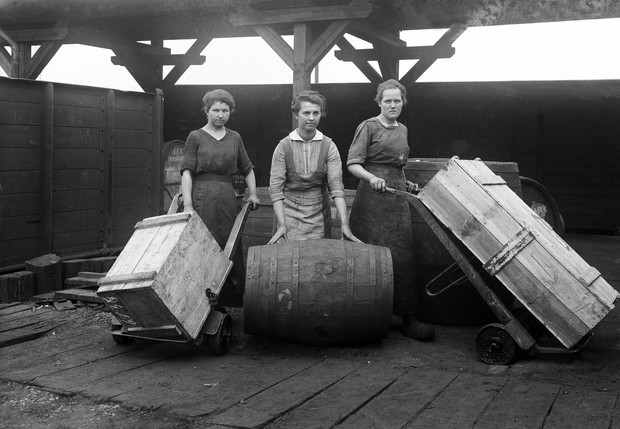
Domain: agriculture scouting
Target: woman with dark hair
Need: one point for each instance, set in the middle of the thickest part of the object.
(377, 157)
(211, 155)
(305, 172)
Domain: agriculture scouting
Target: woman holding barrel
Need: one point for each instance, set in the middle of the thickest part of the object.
(306, 171)
(211, 155)
(377, 157)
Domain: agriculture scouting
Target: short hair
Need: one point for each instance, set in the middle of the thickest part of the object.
(391, 84)
(216, 95)
(310, 96)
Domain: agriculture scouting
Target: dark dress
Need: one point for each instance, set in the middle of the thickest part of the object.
(383, 219)
(212, 162)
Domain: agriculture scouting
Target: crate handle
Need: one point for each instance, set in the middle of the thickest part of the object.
(127, 278)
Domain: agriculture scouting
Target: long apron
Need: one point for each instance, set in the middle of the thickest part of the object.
(307, 211)
(215, 201)
(383, 219)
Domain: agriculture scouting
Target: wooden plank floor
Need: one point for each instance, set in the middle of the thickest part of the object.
(396, 383)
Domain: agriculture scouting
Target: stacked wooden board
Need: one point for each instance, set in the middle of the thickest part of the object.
(519, 248)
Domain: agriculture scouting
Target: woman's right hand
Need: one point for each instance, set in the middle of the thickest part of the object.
(377, 184)
(188, 208)
(280, 233)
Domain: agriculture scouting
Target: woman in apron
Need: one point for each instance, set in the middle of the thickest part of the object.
(211, 155)
(305, 172)
(377, 156)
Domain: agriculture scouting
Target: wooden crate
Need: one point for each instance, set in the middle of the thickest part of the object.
(518, 247)
(157, 285)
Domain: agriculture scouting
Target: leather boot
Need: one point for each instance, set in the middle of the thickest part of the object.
(417, 330)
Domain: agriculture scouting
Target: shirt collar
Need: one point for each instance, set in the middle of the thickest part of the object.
(294, 135)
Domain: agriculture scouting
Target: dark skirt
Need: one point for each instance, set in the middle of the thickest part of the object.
(383, 219)
(216, 204)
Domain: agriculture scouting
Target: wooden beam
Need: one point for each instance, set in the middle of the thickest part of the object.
(387, 59)
(355, 9)
(160, 60)
(406, 53)
(424, 64)
(175, 74)
(372, 34)
(363, 66)
(145, 74)
(41, 59)
(277, 43)
(301, 75)
(321, 46)
(5, 60)
(112, 41)
(39, 34)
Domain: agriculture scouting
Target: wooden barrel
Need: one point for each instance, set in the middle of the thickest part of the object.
(460, 305)
(260, 225)
(319, 292)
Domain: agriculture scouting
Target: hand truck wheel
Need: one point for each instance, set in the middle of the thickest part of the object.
(219, 343)
(116, 336)
(495, 346)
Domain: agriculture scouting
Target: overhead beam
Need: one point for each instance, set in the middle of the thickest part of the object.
(372, 34)
(38, 35)
(363, 66)
(406, 53)
(418, 69)
(323, 44)
(41, 58)
(355, 9)
(159, 60)
(113, 41)
(277, 43)
(175, 74)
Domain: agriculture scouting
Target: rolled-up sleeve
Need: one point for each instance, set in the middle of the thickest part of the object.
(277, 175)
(359, 147)
(334, 172)
(190, 154)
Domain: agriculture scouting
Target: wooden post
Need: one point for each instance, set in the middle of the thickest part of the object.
(47, 271)
(47, 167)
(107, 167)
(16, 287)
(301, 76)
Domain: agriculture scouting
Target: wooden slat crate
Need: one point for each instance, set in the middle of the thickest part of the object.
(157, 285)
(518, 247)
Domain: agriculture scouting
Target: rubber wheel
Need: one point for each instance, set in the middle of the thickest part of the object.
(219, 343)
(495, 346)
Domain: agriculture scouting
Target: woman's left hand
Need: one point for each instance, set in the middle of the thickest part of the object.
(346, 233)
(254, 202)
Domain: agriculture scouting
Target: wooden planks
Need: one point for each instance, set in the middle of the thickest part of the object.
(516, 245)
(183, 258)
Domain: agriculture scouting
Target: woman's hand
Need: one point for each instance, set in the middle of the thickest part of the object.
(187, 207)
(254, 202)
(346, 233)
(280, 233)
(411, 187)
(377, 184)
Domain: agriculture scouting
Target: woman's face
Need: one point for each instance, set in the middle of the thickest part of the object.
(308, 116)
(391, 103)
(218, 114)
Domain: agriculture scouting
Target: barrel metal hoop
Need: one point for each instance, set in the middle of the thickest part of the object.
(349, 292)
(372, 265)
(273, 277)
(295, 270)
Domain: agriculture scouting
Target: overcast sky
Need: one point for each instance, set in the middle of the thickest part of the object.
(573, 50)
